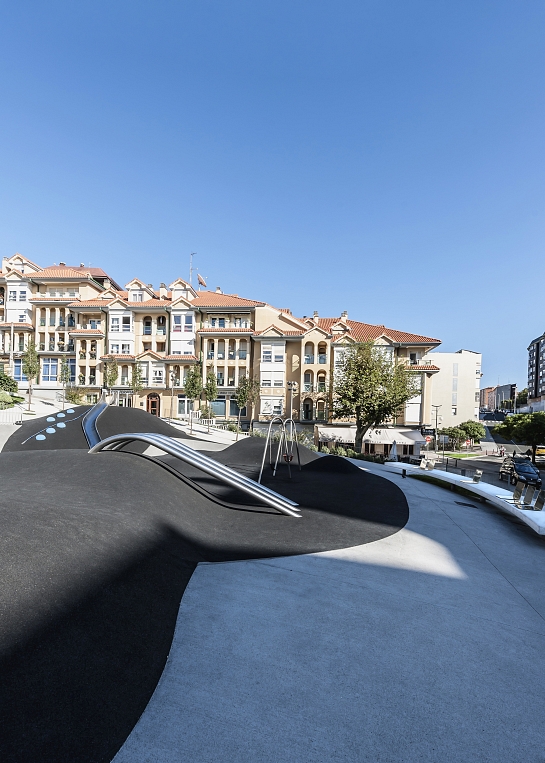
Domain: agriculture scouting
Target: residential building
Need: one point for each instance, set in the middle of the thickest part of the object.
(536, 371)
(80, 316)
(486, 399)
(456, 387)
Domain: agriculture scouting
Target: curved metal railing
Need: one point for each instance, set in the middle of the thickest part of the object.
(89, 421)
(204, 463)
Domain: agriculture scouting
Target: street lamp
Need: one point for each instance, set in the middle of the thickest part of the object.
(292, 386)
(436, 427)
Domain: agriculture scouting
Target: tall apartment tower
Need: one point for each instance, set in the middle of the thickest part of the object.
(536, 369)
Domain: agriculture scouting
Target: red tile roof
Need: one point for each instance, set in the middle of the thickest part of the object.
(216, 329)
(180, 358)
(428, 367)
(215, 299)
(91, 303)
(111, 356)
(17, 325)
(54, 272)
(364, 332)
(93, 332)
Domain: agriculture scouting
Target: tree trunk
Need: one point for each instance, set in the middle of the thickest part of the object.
(361, 430)
(238, 424)
(534, 450)
(29, 393)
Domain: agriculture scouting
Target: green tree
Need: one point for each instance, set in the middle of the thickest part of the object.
(247, 394)
(456, 435)
(528, 428)
(5, 400)
(7, 383)
(30, 366)
(76, 395)
(193, 388)
(474, 430)
(111, 372)
(64, 377)
(137, 380)
(522, 397)
(371, 387)
(210, 389)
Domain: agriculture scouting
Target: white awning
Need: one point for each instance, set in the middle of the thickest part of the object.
(376, 436)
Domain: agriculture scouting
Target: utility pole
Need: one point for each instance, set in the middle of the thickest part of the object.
(191, 268)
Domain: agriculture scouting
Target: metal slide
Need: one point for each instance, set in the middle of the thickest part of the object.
(204, 463)
(89, 421)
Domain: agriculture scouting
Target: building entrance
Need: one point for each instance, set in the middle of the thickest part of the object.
(154, 404)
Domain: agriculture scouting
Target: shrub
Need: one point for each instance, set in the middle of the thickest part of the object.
(231, 427)
(7, 383)
(325, 450)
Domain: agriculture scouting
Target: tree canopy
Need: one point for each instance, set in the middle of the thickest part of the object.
(371, 387)
(473, 429)
(528, 428)
(7, 383)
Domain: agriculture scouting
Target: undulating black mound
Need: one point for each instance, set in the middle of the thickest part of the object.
(95, 553)
(114, 420)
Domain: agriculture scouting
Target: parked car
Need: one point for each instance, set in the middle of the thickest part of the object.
(514, 470)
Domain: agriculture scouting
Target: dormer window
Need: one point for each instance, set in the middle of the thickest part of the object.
(138, 296)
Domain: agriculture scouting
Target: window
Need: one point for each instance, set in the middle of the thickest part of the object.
(22, 296)
(137, 296)
(455, 384)
(455, 369)
(454, 411)
(266, 353)
(114, 324)
(413, 358)
(22, 318)
(127, 323)
(158, 375)
(220, 379)
(278, 355)
(144, 371)
(147, 326)
(454, 398)
(266, 381)
(72, 367)
(277, 408)
(234, 409)
(177, 319)
(12, 296)
(114, 349)
(93, 324)
(125, 349)
(218, 407)
(18, 374)
(188, 323)
(161, 346)
(49, 370)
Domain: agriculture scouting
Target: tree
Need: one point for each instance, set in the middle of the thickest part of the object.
(210, 389)
(137, 380)
(64, 377)
(522, 397)
(456, 435)
(473, 429)
(528, 428)
(7, 383)
(111, 372)
(371, 387)
(30, 366)
(193, 388)
(247, 393)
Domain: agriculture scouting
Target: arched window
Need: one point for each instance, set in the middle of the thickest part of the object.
(307, 381)
(232, 347)
(309, 352)
(161, 325)
(320, 410)
(221, 349)
(210, 352)
(52, 317)
(322, 352)
(147, 325)
(125, 376)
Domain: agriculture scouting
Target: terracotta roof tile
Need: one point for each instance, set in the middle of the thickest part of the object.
(91, 303)
(364, 332)
(111, 356)
(427, 367)
(60, 272)
(87, 332)
(17, 325)
(214, 299)
(216, 329)
(180, 358)
(149, 303)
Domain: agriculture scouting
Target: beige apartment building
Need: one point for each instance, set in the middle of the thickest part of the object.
(80, 314)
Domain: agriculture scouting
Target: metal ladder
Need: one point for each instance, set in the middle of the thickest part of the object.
(204, 463)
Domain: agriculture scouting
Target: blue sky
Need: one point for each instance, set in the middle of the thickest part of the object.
(384, 158)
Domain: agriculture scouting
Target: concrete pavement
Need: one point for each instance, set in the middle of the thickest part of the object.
(427, 645)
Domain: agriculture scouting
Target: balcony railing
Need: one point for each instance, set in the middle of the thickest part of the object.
(308, 387)
(322, 359)
(309, 359)
(232, 356)
(93, 355)
(210, 356)
(242, 354)
(51, 346)
(161, 330)
(42, 321)
(82, 355)
(70, 347)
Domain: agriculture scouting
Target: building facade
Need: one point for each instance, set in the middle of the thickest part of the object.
(456, 387)
(80, 317)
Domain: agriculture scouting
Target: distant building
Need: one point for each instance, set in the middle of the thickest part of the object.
(502, 395)
(486, 399)
(456, 388)
(536, 370)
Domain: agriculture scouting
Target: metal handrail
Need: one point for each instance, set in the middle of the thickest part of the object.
(89, 421)
(204, 463)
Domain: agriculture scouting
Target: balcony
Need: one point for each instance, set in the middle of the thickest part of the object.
(231, 382)
(41, 346)
(93, 355)
(71, 323)
(322, 359)
(210, 356)
(51, 347)
(61, 324)
(61, 346)
(309, 359)
(42, 321)
(70, 347)
(242, 354)
(82, 355)
(232, 356)
(221, 356)
(161, 330)
(81, 379)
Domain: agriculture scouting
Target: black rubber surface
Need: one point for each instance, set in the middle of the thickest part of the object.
(95, 553)
(114, 420)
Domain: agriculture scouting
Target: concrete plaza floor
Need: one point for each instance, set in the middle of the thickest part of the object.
(428, 645)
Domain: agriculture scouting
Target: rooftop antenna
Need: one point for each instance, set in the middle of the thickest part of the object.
(191, 268)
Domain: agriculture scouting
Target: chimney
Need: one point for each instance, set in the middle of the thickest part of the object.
(315, 315)
(106, 283)
(82, 264)
(5, 265)
(163, 291)
(218, 290)
(344, 315)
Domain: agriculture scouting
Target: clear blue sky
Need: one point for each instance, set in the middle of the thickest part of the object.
(380, 157)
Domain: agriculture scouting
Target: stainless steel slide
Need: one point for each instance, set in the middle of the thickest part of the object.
(204, 463)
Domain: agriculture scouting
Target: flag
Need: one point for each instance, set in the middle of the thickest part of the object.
(201, 280)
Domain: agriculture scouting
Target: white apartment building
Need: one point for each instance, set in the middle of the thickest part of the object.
(456, 388)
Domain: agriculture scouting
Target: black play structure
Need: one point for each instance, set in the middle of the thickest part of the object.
(96, 552)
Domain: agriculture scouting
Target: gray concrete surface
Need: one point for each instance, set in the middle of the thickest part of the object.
(425, 646)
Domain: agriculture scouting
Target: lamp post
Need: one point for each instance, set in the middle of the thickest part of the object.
(172, 383)
(436, 427)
